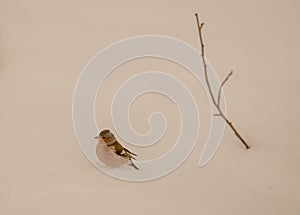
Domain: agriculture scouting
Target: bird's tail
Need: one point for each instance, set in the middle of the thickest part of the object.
(133, 165)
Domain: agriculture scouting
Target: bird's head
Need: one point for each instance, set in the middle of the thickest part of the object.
(107, 136)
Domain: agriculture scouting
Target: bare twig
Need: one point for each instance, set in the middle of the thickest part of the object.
(215, 101)
(223, 83)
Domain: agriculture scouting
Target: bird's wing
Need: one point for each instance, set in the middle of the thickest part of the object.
(119, 150)
(130, 152)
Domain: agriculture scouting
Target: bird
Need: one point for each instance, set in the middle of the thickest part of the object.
(110, 152)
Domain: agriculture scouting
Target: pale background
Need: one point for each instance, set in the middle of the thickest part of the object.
(46, 44)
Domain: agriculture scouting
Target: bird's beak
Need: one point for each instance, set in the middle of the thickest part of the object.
(97, 137)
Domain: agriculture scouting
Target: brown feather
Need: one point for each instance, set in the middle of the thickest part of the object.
(120, 150)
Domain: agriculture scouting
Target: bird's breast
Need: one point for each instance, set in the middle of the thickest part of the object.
(108, 157)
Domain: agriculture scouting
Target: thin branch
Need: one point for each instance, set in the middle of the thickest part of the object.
(216, 102)
(200, 26)
(223, 83)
